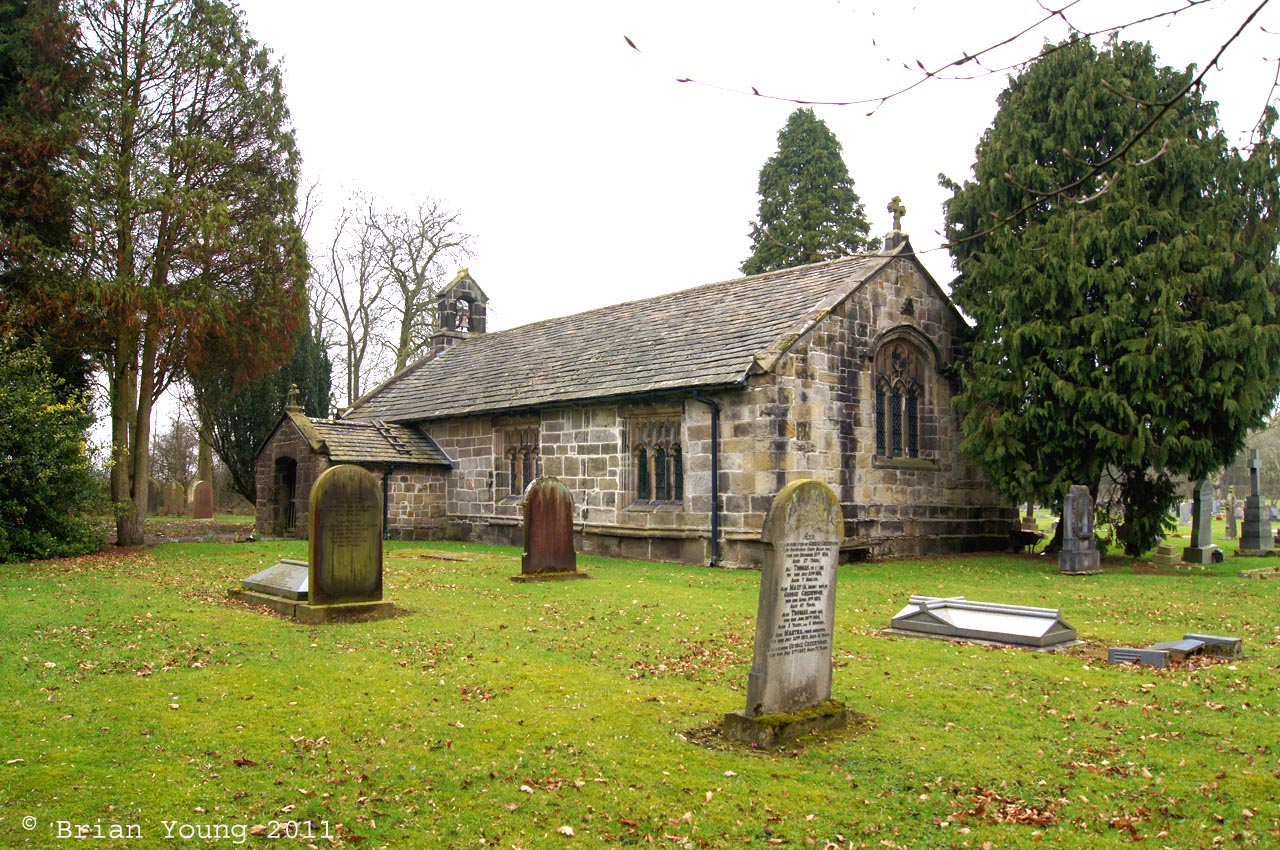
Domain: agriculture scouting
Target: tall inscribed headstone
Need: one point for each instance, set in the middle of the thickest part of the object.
(1079, 553)
(345, 547)
(1255, 532)
(789, 687)
(1202, 550)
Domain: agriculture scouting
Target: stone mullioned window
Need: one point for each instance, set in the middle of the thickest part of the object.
(520, 459)
(657, 459)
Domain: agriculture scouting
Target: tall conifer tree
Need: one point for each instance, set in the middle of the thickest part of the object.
(809, 210)
(1127, 330)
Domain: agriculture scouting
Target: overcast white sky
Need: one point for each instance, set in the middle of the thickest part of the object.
(589, 175)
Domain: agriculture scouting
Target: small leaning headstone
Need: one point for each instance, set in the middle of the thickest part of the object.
(1202, 550)
(548, 533)
(1079, 553)
(789, 687)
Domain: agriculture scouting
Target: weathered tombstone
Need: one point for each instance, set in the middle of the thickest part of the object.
(153, 497)
(1201, 550)
(1255, 534)
(1166, 555)
(789, 687)
(1029, 520)
(548, 533)
(345, 547)
(202, 500)
(175, 499)
(1231, 513)
(1079, 553)
(1184, 513)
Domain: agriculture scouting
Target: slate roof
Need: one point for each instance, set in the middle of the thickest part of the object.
(709, 336)
(371, 441)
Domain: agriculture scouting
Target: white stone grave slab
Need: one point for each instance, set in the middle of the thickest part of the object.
(958, 618)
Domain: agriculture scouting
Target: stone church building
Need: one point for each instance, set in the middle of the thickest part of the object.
(674, 420)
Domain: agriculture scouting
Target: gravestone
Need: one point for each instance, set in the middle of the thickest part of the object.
(1184, 513)
(1166, 555)
(202, 500)
(1255, 533)
(548, 533)
(175, 499)
(1231, 513)
(345, 547)
(154, 494)
(1201, 550)
(1079, 553)
(789, 687)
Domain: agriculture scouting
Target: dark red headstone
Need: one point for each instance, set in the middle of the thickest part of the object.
(548, 529)
(202, 501)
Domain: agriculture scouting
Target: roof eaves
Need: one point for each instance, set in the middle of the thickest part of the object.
(764, 361)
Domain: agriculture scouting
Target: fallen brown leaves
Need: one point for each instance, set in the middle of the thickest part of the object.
(991, 806)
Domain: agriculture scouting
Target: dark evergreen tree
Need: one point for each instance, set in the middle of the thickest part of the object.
(238, 416)
(809, 211)
(1126, 329)
(43, 80)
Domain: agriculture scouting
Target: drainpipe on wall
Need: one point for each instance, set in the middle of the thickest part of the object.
(715, 475)
(386, 500)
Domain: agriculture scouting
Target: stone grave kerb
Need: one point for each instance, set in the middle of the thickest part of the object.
(789, 686)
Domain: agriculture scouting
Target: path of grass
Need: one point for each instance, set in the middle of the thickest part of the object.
(494, 714)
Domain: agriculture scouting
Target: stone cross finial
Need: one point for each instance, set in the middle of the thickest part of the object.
(898, 211)
(1255, 477)
(292, 401)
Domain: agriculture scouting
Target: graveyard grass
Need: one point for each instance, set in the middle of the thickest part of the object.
(495, 714)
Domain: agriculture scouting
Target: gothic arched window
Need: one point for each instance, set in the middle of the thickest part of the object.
(899, 394)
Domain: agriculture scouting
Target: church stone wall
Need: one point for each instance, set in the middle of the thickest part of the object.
(287, 443)
(812, 416)
(416, 497)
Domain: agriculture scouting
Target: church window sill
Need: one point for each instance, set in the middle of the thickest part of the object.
(916, 463)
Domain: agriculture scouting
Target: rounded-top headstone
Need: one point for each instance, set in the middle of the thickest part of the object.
(795, 620)
(345, 546)
(202, 500)
(548, 528)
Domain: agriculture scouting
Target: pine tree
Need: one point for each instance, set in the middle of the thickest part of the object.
(1127, 330)
(809, 210)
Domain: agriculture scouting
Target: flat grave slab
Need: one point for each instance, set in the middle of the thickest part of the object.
(957, 618)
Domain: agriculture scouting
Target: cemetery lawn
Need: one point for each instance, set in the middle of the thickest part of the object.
(139, 702)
